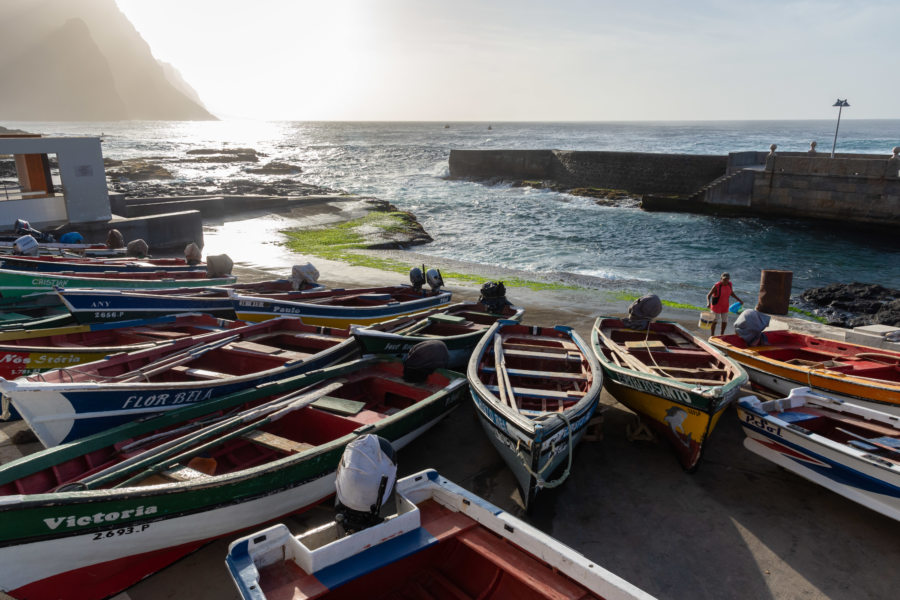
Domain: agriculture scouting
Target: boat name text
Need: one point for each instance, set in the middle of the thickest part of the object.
(99, 518)
(167, 399)
(657, 389)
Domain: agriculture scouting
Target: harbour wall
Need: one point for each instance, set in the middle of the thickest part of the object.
(635, 172)
(849, 188)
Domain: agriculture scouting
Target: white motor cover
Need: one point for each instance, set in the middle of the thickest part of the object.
(301, 274)
(359, 474)
(26, 245)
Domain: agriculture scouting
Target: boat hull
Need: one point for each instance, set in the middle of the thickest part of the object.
(869, 483)
(518, 448)
(96, 306)
(684, 426)
(255, 309)
(14, 283)
(880, 392)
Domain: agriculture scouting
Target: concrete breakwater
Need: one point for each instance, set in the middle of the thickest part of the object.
(635, 172)
(849, 188)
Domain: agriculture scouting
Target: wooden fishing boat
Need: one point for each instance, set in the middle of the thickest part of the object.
(72, 402)
(459, 326)
(849, 449)
(53, 264)
(20, 283)
(677, 384)
(340, 308)
(442, 542)
(98, 515)
(859, 374)
(35, 350)
(28, 351)
(535, 389)
(94, 306)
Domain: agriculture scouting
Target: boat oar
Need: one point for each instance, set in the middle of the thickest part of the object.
(171, 461)
(163, 451)
(506, 390)
(630, 361)
(169, 362)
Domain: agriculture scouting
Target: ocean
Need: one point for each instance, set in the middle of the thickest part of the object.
(550, 234)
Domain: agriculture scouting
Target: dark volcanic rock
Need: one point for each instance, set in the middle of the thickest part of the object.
(853, 304)
(275, 168)
(138, 169)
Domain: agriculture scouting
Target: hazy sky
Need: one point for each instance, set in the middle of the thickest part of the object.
(510, 60)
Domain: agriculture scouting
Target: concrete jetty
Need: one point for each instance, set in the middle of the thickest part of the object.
(850, 188)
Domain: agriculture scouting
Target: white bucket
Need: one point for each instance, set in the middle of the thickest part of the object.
(707, 319)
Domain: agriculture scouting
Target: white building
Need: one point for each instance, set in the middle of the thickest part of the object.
(81, 194)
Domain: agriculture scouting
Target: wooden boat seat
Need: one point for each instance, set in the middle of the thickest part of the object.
(450, 319)
(156, 333)
(558, 343)
(541, 374)
(646, 345)
(539, 393)
(248, 346)
(341, 406)
(549, 354)
(199, 373)
(276, 442)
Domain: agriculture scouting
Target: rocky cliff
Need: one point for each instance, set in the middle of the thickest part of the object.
(63, 60)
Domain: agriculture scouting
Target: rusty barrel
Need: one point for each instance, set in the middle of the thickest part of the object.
(775, 292)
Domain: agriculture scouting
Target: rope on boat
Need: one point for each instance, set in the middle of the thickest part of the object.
(541, 482)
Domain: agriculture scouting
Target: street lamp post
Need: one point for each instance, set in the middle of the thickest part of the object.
(840, 104)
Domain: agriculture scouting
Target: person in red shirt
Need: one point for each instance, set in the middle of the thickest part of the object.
(718, 300)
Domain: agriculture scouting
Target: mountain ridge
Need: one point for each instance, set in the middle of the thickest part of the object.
(74, 61)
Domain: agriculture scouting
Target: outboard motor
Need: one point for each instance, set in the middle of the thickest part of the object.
(642, 311)
(23, 227)
(493, 296)
(423, 358)
(434, 279)
(301, 275)
(417, 278)
(750, 325)
(365, 481)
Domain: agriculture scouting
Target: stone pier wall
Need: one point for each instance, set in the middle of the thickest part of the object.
(635, 172)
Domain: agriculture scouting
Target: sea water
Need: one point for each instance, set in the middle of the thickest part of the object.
(550, 234)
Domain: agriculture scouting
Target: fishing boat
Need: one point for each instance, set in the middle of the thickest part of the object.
(95, 306)
(441, 542)
(53, 264)
(859, 374)
(339, 308)
(72, 402)
(20, 283)
(677, 384)
(96, 516)
(27, 351)
(847, 448)
(458, 325)
(535, 389)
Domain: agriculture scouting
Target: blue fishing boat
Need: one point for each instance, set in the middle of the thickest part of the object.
(94, 306)
(55, 264)
(847, 448)
(69, 403)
